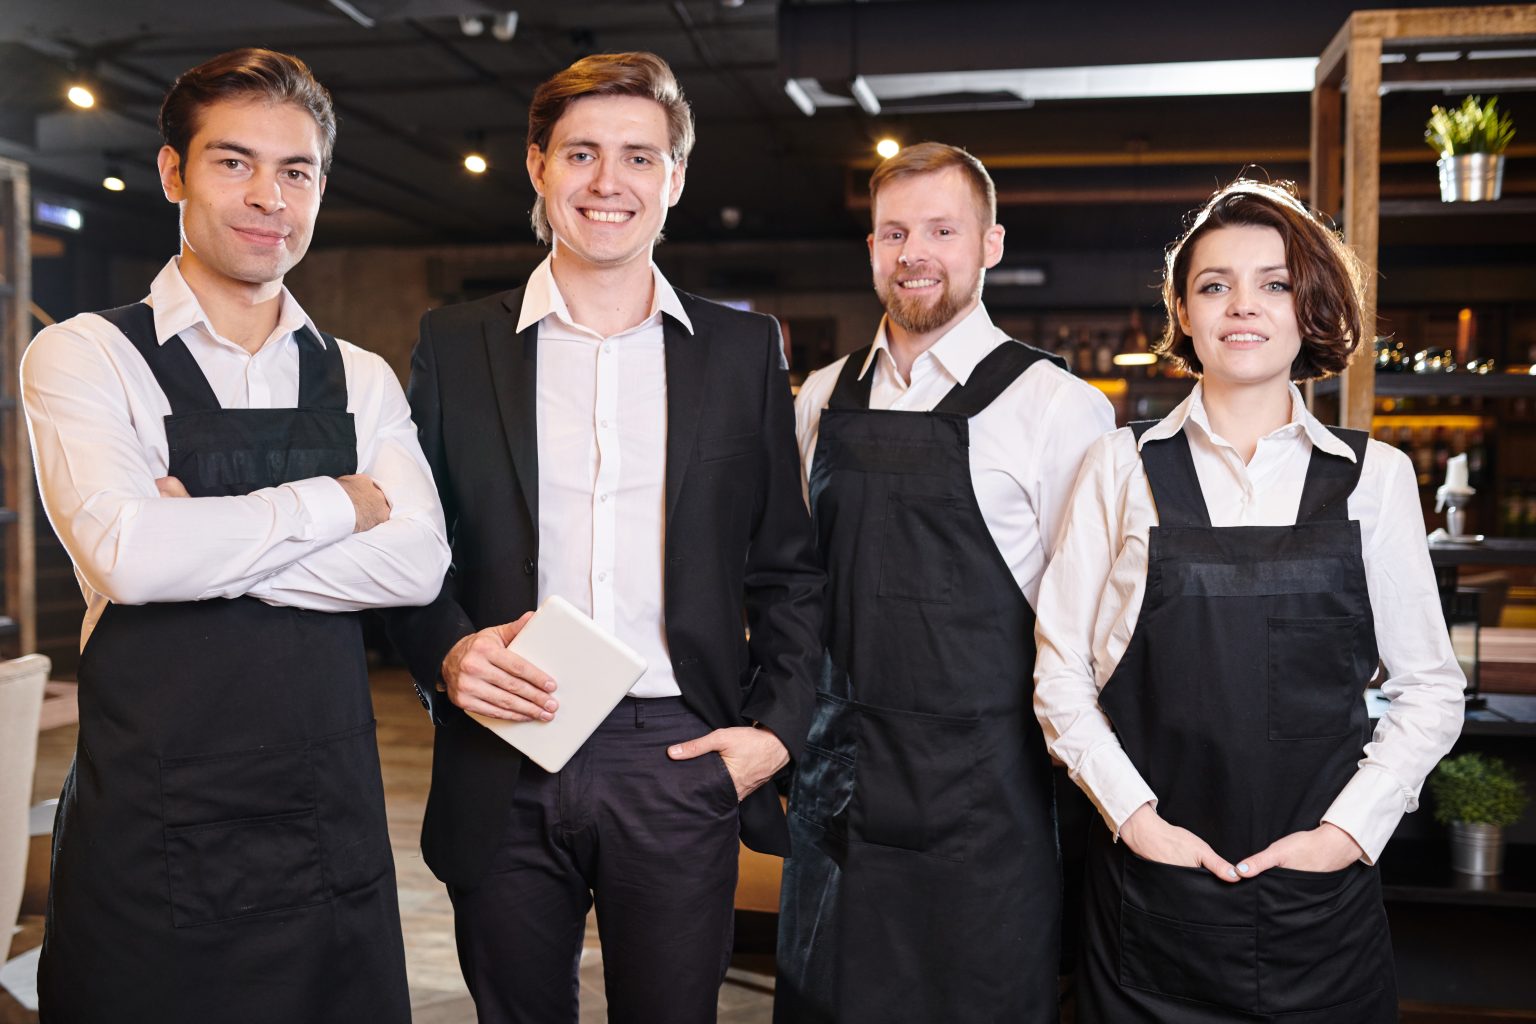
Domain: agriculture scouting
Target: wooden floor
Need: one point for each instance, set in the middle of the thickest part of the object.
(438, 995)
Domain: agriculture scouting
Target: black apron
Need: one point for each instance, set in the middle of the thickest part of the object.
(1241, 701)
(221, 851)
(923, 884)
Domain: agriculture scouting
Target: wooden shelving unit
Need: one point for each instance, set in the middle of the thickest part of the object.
(1346, 131)
(18, 617)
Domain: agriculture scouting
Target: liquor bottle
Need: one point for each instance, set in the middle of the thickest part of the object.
(1424, 457)
(1103, 355)
(1477, 458)
(1442, 453)
(1083, 354)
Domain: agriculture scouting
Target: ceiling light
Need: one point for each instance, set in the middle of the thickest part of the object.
(887, 148)
(112, 183)
(471, 25)
(504, 26)
(474, 163)
(81, 97)
(799, 97)
(1135, 358)
(864, 95)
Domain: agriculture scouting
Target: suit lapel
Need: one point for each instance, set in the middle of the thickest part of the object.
(687, 357)
(513, 360)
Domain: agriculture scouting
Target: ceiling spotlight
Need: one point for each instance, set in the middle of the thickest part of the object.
(504, 26)
(112, 183)
(799, 97)
(474, 163)
(471, 25)
(864, 95)
(731, 3)
(887, 147)
(81, 97)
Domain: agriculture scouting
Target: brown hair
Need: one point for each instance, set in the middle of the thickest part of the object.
(608, 74)
(930, 158)
(1325, 276)
(241, 74)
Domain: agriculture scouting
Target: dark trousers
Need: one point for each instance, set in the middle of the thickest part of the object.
(651, 841)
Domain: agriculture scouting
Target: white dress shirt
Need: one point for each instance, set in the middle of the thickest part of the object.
(1092, 594)
(98, 439)
(1025, 447)
(602, 435)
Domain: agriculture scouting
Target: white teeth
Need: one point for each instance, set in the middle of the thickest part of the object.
(1243, 337)
(921, 282)
(607, 216)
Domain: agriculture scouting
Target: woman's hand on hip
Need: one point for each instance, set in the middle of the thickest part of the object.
(1151, 838)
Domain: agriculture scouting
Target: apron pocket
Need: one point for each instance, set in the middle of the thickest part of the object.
(1312, 688)
(1325, 937)
(1186, 934)
(823, 778)
(354, 829)
(915, 562)
(913, 777)
(236, 869)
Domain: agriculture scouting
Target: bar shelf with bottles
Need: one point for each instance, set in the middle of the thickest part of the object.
(1110, 349)
(1440, 393)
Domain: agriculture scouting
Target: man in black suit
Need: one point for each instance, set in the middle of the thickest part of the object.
(598, 435)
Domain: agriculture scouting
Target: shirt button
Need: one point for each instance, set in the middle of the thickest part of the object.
(607, 348)
(604, 424)
(527, 567)
(601, 577)
(602, 497)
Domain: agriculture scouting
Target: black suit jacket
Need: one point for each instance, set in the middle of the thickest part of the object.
(738, 540)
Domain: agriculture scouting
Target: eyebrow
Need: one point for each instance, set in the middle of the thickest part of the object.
(249, 153)
(1228, 270)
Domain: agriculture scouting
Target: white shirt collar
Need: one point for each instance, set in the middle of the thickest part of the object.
(957, 352)
(177, 308)
(1302, 420)
(541, 298)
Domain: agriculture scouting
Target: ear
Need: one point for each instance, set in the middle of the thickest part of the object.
(323, 180)
(1183, 315)
(171, 183)
(992, 245)
(869, 240)
(679, 174)
(536, 168)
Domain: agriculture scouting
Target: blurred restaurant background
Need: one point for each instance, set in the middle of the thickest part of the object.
(1102, 124)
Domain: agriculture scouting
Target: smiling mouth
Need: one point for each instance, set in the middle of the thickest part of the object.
(608, 216)
(262, 237)
(918, 282)
(1243, 337)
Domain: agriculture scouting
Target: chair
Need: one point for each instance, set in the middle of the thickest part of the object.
(21, 700)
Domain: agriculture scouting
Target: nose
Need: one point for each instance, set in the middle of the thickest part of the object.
(265, 193)
(912, 253)
(1242, 301)
(604, 180)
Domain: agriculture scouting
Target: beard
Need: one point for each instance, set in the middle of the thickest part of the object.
(917, 315)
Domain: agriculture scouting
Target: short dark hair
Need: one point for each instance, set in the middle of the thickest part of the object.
(1326, 276)
(240, 74)
(608, 74)
(930, 158)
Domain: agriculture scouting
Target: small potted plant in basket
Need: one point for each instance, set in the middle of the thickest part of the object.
(1477, 797)
(1471, 140)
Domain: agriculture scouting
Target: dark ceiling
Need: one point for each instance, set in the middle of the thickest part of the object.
(414, 93)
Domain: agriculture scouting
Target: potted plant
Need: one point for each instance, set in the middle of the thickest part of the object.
(1471, 140)
(1477, 797)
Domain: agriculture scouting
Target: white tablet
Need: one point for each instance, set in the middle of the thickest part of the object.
(593, 670)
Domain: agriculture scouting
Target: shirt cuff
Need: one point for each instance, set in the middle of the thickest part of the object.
(1369, 808)
(325, 507)
(1114, 785)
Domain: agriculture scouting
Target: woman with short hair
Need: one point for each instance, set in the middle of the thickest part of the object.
(1223, 587)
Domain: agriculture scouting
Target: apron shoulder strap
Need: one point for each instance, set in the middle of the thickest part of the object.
(322, 372)
(175, 370)
(1331, 479)
(1175, 484)
(851, 392)
(997, 370)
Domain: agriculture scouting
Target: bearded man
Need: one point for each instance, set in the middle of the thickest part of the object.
(938, 463)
